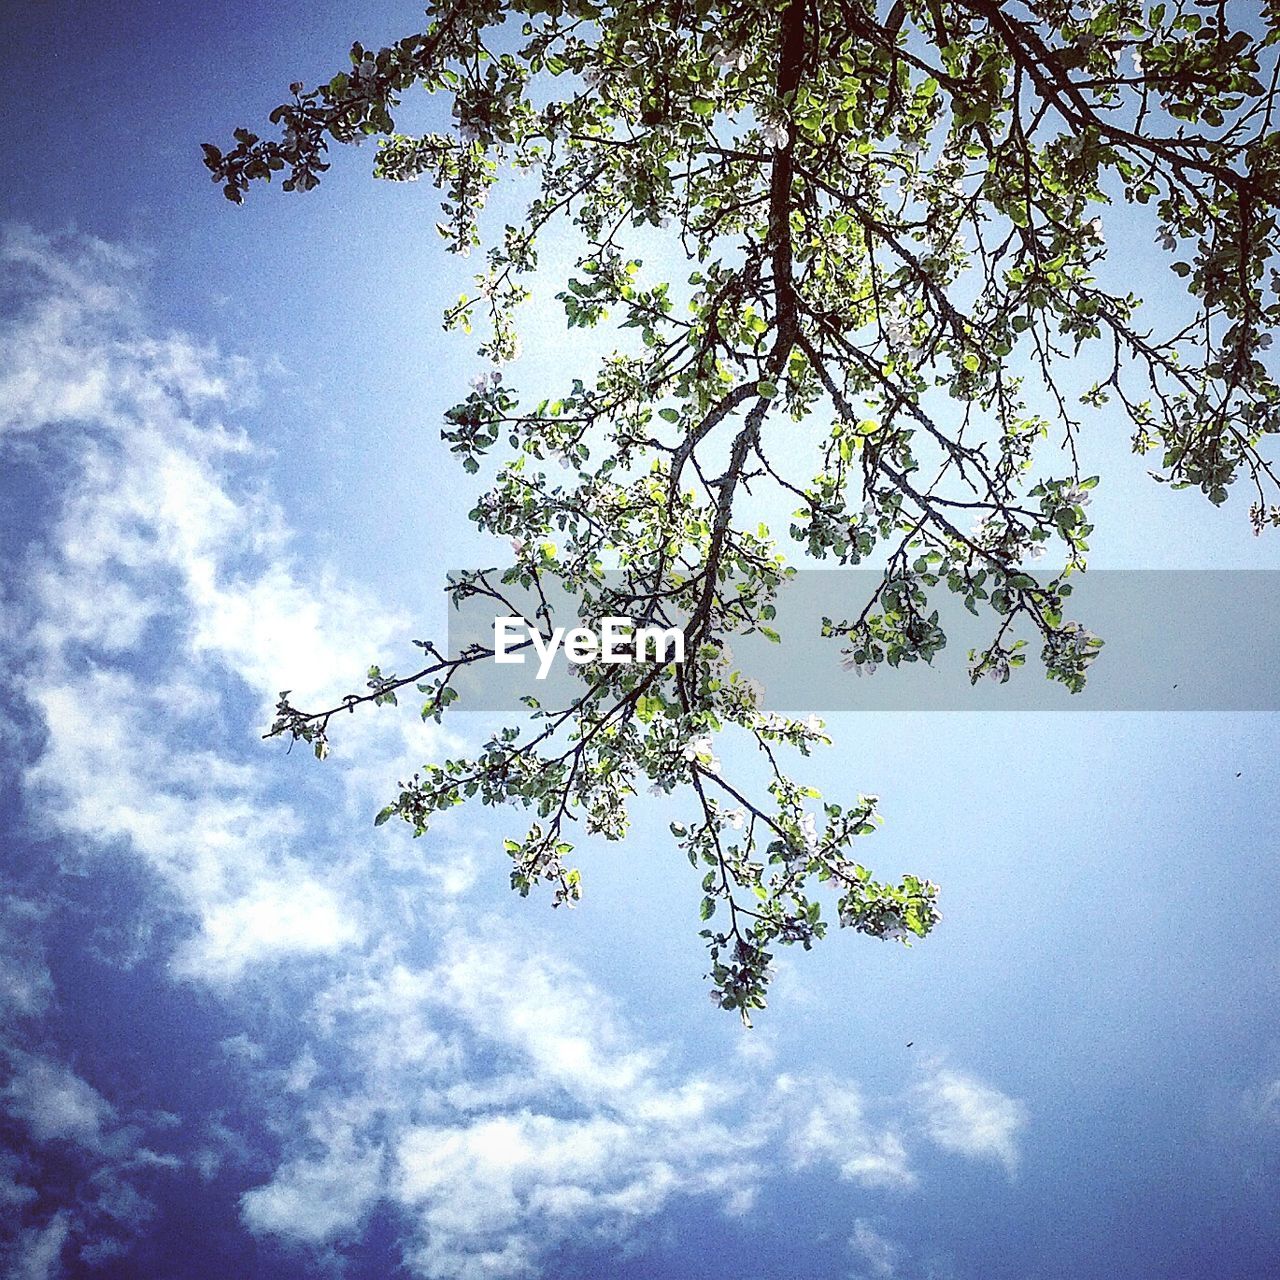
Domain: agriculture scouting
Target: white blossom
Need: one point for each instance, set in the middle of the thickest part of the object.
(730, 56)
(809, 831)
(700, 751)
(897, 331)
(773, 133)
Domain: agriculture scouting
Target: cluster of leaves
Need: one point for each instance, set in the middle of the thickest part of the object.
(891, 225)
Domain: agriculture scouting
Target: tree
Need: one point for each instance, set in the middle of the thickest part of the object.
(890, 227)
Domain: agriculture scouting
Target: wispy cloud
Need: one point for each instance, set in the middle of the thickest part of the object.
(36, 1253)
(964, 1115)
(160, 590)
(26, 987)
(318, 1198)
(833, 1125)
(75, 1139)
(55, 1103)
(875, 1256)
(513, 1111)
(166, 585)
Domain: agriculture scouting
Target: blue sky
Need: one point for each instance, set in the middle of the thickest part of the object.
(242, 1032)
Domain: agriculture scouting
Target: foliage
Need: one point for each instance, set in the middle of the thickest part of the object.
(890, 256)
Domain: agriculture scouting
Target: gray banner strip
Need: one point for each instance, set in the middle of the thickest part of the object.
(1175, 640)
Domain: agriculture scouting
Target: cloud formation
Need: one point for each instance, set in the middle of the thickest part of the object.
(963, 1115)
(876, 1258)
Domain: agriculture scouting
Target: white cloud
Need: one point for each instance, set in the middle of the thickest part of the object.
(289, 915)
(55, 1103)
(316, 1199)
(158, 529)
(220, 1145)
(14, 1193)
(963, 1115)
(1263, 1101)
(75, 1139)
(26, 988)
(36, 1253)
(876, 1257)
(534, 1005)
(831, 1124)
(162, 588)
(518, 1112)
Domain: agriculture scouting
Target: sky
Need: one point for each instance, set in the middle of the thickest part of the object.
(242, 1032)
